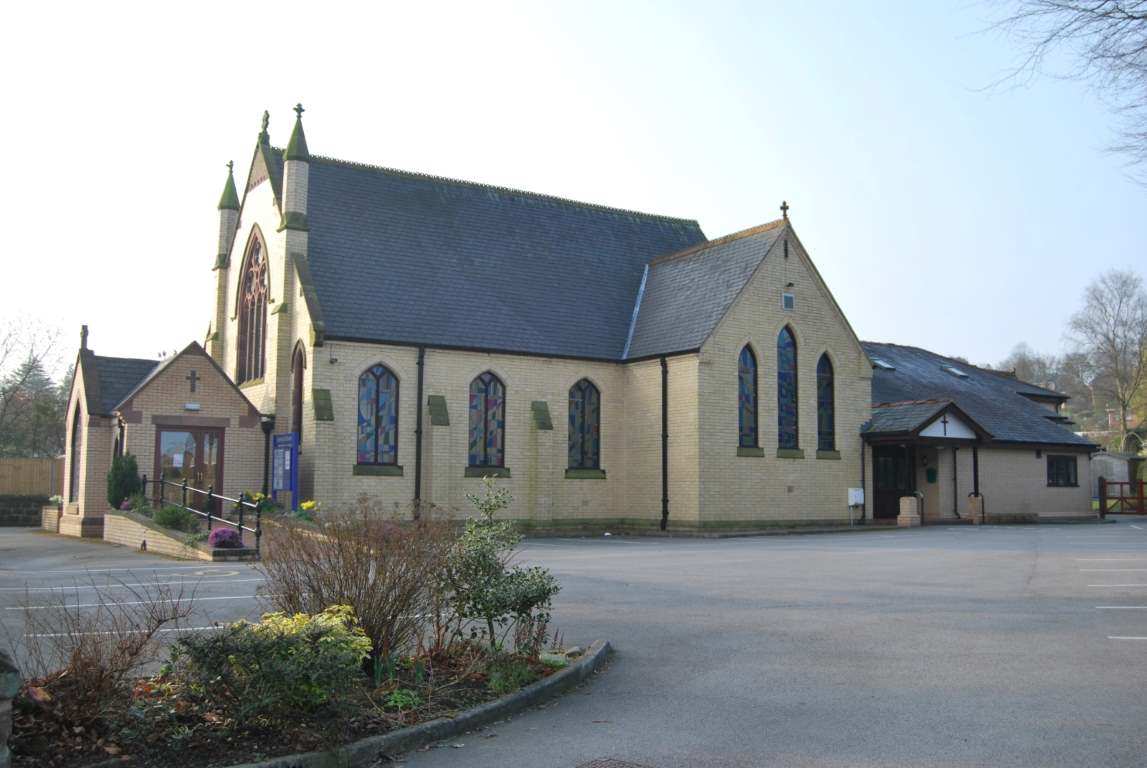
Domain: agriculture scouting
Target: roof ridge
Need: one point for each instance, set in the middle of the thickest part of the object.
(130, 359)
(499, 188)
(758, 229)
(899, 403)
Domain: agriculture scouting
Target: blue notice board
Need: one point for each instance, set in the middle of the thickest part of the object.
(285, 465)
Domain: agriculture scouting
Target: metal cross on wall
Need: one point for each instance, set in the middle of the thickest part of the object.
(944, 421)
(193, 377)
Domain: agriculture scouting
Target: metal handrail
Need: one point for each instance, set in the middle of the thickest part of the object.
(241, 505)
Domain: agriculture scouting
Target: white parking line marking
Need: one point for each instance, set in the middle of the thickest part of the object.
(121, 586)
(132, 602)
(1117, 585)
(1121, 607)
(1112, 570)
(144, 568)
(172, 629)
(1125, 637)
(1136, 527)
(1107, 559)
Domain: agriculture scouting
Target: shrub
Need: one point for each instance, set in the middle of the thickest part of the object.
(506, 674)
(403, 698)
(85, 655)
(177, 518)
(225, 538)
(123, 479)
(276, 669)
(378, 567)
(487, 590)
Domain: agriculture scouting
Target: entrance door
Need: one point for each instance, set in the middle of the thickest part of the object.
(194, 455)
(892, 478)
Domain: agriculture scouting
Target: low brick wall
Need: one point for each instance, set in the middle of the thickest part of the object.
(138, 532)
(21, 510)
(81, 527)
(50, 518)
(9, 685)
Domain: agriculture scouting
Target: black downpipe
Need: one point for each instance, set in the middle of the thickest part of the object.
(664, 443)
(863, 484)
(418, 437)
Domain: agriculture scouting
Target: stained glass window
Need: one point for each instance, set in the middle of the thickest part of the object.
(252, 313)
(825, 406)
(377, 416)
(787, 430)
(487, 421)
(747, 398)
(585, 426)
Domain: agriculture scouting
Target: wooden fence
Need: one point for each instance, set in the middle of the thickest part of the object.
(31, 477)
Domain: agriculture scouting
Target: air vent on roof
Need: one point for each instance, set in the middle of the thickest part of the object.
(876, 361)
(954, 371)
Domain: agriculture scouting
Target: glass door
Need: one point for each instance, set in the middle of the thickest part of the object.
(194, 455)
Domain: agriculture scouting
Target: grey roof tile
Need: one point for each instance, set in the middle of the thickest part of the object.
(687, 294)
(408, 258)
(115, 377)
(993, 401)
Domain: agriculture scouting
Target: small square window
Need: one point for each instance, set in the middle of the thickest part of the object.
(788, 301)
(1062, 472)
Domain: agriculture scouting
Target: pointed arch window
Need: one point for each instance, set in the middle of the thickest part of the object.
(487, 421)
(298, 371)
(378, 416)
(74, 462)
(747, 398)
(788, 437)
(825, 405)
(585, 426)
(252, 312)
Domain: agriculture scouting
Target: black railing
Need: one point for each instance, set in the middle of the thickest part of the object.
(241, 506)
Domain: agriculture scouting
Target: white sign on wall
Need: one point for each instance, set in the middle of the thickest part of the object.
(855, 497)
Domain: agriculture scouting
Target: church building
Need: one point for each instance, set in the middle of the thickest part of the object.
(615, 370)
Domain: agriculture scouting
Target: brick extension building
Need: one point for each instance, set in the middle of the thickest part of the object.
(616, 369)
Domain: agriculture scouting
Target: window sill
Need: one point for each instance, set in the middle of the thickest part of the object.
(378, 470)
(1063, 485)
(251, 383)
(487, 472)
(790, 453)
(746, 451)
(835, 455)
(585, 474)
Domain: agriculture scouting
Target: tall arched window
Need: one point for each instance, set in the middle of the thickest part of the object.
(747, 398)
(787, 429)
(825, 406)
(252, 312)
(585, 426)
(487, 421)
(74, 458)
(298, 366)
(377, 416)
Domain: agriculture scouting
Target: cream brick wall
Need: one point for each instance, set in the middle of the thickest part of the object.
(536, 459)
(121, 529)
(163, 398)
(95, 447)
(1014, 481)
(767, 489)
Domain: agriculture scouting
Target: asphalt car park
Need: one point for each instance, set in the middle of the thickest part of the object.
(946, 646)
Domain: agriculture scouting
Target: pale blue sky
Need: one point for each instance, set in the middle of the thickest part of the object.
(940, 215)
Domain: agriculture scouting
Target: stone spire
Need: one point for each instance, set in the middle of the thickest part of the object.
(229, 201)
(297, 146)
(296, 173)
(228, 218)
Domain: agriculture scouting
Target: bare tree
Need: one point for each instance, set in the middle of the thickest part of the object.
(1106, 43)
(1111, 329)
(1031, 366)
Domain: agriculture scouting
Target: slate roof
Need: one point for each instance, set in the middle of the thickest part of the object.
(895, 418)
(402, 257)
(993, 401)
(686, 294)
(107, 380)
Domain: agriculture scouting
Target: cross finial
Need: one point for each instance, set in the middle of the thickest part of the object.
(299, 111)
(230, 167)
(785, 208)
(266, 120)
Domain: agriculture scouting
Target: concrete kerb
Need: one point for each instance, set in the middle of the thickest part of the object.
(366, 752)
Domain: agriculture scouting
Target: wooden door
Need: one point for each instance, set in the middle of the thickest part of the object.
(892, 477)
